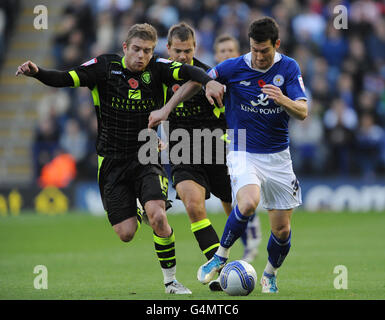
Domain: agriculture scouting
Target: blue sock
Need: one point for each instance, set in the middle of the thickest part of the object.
(244, 234)
(278, 250)
(244, 238)
(235, 226)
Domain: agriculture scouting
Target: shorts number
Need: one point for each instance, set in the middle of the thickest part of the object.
(163, 185)
(295, 185)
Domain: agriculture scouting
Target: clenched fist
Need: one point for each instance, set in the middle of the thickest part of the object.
(27, 68)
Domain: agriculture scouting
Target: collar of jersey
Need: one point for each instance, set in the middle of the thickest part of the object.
(247, 58)
(124, 63)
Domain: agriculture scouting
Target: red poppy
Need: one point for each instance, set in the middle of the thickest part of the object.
(133, 83)
(261, 83)
(175, 87)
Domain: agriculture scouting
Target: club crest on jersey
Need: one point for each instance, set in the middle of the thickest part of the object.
(278, 80)
(92, 61)
(133, 83)
(146, 77)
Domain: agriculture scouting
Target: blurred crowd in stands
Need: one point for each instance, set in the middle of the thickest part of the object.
(343, 72)
(9, 10)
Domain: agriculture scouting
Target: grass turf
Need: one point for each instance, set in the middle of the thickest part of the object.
(86, 260)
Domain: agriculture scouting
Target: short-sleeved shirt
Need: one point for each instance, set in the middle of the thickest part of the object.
(248, 108)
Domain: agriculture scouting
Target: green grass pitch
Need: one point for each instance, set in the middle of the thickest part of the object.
(86, 260)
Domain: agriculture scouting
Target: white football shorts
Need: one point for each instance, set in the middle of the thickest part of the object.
(272, 172)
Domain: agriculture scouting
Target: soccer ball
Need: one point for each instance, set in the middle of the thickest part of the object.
(238, 278)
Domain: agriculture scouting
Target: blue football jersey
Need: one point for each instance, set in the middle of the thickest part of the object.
(247, 107)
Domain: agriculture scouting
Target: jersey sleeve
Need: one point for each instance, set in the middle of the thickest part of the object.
(168, 70)
(88, 74)
(222, 72)
(295, 88)
(172, 71)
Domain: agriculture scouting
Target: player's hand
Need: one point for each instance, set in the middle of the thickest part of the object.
(215, 90)
(156, 117)
(28, 68)
(273, 93)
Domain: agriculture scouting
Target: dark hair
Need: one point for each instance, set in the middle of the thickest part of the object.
(223, 38)
(182, 31)
(143, 31)
(264, 29)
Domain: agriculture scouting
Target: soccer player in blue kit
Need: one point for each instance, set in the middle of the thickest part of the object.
(263, 90)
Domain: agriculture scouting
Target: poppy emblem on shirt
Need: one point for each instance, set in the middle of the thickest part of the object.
(133, 83)
(261, 83)
(175, 87)
(278, 80)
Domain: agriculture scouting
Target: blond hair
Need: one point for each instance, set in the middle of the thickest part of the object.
(142, 31)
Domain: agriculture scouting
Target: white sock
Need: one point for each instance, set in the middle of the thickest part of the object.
(223, 252)
(270, 269)
(169, 274)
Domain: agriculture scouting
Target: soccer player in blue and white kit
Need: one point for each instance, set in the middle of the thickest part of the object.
(263, 89)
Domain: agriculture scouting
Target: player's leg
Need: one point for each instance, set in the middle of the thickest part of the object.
(278, 247)
(227, 207)
(281, 193)
(246, 191)
(193, 197)
(126, 229)
(220, 186)
(164, 241)
(247, 199)
(253, 238)
(118, 198)
(192, 186)
(214, 285)
(156, 213)
(152, 189)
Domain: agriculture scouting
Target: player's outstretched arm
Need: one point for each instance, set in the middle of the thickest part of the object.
(214, 90)
(185, 92)
(53, 78)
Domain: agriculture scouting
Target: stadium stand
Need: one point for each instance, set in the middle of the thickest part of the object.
(343, 71)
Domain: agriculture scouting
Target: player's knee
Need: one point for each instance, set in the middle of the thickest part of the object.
(158, 220)
(195, 209)
(282, 232)
(248, 205)
(126, 236)
(125, 232)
